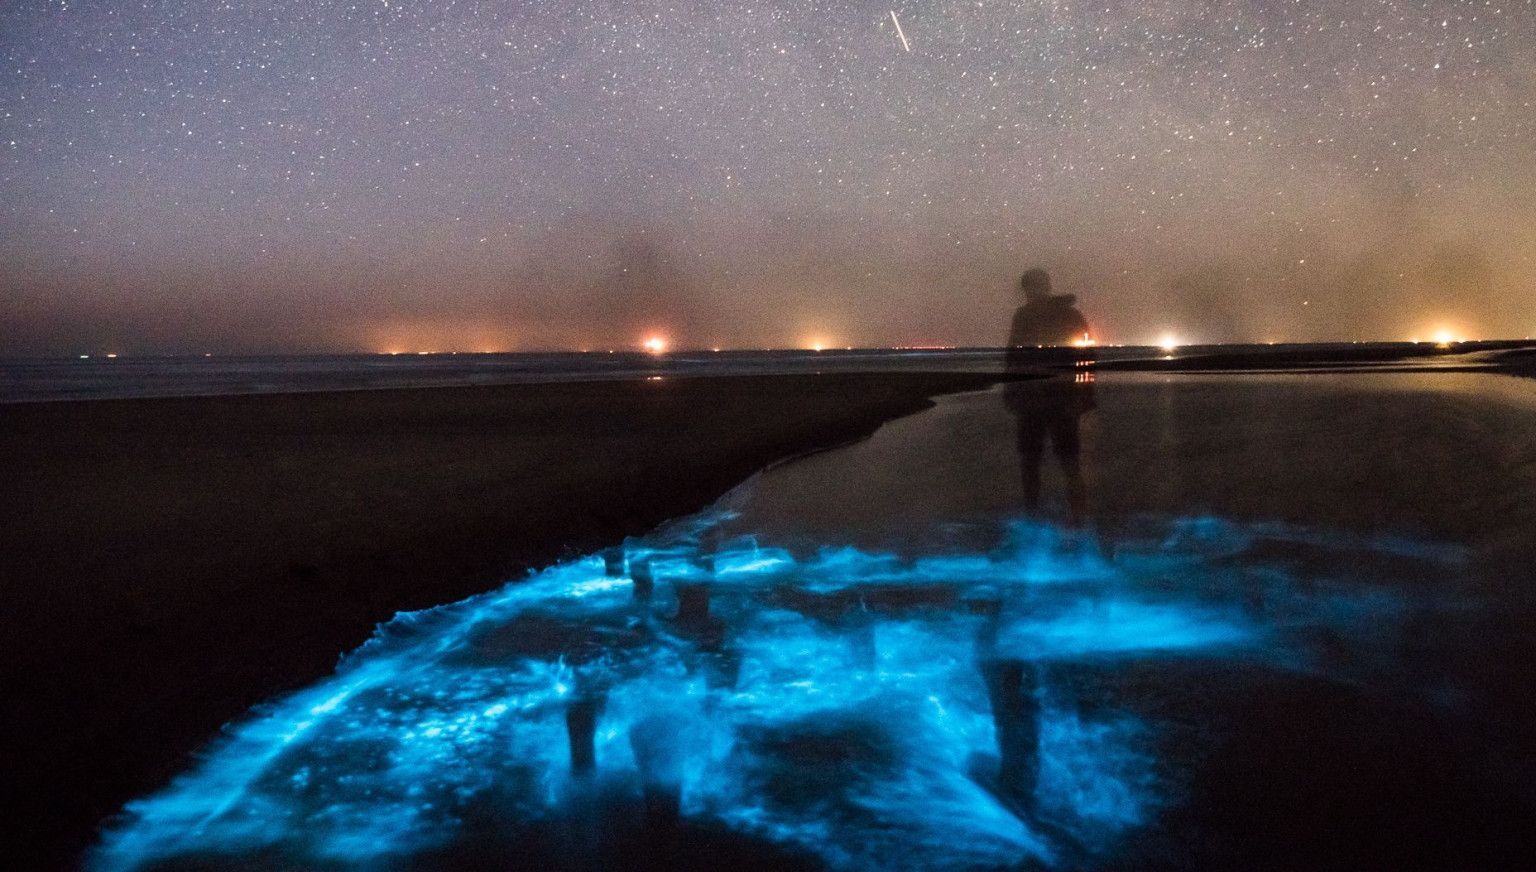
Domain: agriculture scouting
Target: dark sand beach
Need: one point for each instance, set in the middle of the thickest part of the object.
(171, 562)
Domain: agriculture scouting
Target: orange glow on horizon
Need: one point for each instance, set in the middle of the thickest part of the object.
(655, 344)
(1443, 334)
(434, 336)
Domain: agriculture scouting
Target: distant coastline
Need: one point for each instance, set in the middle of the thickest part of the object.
(98, 377)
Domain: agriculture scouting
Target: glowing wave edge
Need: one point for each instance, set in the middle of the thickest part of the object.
(852, 710)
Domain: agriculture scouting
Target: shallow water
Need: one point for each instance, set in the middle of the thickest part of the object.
(1290, 628)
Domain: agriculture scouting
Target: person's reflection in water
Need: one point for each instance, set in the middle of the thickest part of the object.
(1049, 332)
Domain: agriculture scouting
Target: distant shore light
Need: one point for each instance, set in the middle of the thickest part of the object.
(1169, 342)
(655, 344)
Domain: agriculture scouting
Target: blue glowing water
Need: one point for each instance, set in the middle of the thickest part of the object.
(833, 702)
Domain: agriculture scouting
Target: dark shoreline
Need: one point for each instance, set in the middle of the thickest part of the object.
(1503, 356)
(171, 562)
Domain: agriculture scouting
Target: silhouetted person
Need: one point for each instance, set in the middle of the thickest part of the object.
(1049, 332)
(1045, 319)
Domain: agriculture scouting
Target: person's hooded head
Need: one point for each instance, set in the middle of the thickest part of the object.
(1036, 284)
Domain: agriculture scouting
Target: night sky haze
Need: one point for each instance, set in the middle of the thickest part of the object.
(492, 176)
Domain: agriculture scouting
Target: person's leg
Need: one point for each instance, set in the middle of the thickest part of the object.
(657, 742)
(581, 729)
(1011, 687)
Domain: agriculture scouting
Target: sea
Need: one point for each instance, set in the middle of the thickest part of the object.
(125, 376)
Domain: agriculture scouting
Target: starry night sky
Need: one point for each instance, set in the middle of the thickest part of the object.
(404, 175)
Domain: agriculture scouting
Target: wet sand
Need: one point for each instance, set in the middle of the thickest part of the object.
(1506, 356)
(171, 562)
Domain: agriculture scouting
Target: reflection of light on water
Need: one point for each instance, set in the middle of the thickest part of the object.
(842, 711)
(1118, 626)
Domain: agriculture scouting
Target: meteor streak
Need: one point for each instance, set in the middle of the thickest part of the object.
(896, 21)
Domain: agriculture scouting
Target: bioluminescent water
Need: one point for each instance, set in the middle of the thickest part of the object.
(962, 706)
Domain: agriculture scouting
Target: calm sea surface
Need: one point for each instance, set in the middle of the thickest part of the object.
(100, 377)
(103, 378)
